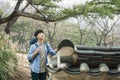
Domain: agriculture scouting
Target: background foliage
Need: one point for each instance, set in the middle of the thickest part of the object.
(8, 60)
(97, 25)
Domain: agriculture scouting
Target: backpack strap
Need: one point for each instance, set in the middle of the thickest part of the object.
(36, 45)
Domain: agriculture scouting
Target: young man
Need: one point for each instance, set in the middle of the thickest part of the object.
(37, 55)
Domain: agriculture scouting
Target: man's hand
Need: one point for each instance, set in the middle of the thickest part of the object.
(36, 52)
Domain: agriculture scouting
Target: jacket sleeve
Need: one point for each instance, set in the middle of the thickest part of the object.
(50, 50)
(30, 53)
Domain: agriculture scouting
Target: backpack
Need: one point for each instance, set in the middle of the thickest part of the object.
(32, 41)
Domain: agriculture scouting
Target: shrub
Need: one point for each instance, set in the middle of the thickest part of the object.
(8, 60)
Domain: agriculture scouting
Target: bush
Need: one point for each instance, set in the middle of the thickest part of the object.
(8, 60)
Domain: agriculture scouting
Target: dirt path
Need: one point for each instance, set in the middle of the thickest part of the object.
(23, 71)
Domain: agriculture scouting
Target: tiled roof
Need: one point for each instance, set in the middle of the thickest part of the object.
(103, 68)
(93, 60)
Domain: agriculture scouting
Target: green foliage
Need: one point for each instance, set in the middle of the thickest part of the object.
(116, 3)
(105, 7)
(1, 12)
(40, 1)
(70, 12)
(23, 30)
(20, 30)
(36, 1)
(46, 3)
(8, 60)
(100, 8)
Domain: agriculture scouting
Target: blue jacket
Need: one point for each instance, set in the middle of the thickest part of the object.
(35, 63)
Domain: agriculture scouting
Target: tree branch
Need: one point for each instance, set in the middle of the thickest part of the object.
(13, 14)
(10, 23)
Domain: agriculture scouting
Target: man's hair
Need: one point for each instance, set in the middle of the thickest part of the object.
(37, 32)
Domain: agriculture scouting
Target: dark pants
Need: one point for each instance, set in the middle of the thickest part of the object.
(38, 76)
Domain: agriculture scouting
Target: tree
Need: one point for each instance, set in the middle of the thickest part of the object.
(51, 32)
(44, 10)
(48, 11)
(85, 29)
(104, 29)
(23, 31)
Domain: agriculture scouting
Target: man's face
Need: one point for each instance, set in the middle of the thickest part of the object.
(41, 36)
